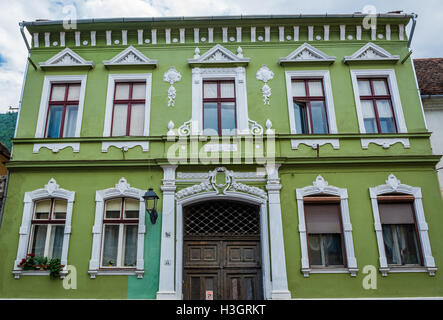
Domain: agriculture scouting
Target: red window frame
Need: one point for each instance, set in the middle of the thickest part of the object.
(373, 97)
(307, 100)
(120, 220)
(219, 101)
(319, 199)
(128, 101)
(64, 103)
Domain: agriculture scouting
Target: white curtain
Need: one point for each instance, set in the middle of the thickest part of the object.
(119, 121)
(137, 120)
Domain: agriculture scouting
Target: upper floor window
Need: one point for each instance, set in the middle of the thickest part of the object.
(376, 104)
(62, 110)
(400, 233)
(120, 232)
(219, 107)
(309, 106)
(47, 228)
(128, 114)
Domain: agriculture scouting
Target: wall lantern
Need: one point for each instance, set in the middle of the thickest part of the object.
(151, 204)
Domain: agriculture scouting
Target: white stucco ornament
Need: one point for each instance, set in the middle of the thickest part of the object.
(265, 74)
(171, 76)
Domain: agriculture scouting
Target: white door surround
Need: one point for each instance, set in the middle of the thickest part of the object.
(206, 188)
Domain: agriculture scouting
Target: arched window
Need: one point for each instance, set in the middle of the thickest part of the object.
(47, 228)
(120, 228)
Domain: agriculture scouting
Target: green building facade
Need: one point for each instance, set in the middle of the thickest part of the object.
(289, 153)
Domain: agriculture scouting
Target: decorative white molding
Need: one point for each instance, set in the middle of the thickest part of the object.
(253, 34)
(265, 74)
(172, 76)
(220, 147)
(325, 77)
(267, 34)
(130, 57)
(315, 143)
(121, 189)
(50, 190)
(154, 36)
(371, 52)
(321, 186)
(112, 79)
(385, 142)
(394, 185)
(125, 145)
(310, 33)
(66, 58)
(393, 89)
(269, 129)
(56, 147)
(93, 38)
(254, 128)
(218, 55)
(326, 32)
(306, 53)
(296, 33)
(43, 110)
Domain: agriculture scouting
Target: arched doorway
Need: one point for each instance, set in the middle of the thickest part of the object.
(222, 257)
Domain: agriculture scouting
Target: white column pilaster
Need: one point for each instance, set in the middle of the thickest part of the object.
(278, 261)
(166, 288)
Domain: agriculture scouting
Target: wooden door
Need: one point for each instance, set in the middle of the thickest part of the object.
(221, 251)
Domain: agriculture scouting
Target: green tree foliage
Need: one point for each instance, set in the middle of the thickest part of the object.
(7, 127)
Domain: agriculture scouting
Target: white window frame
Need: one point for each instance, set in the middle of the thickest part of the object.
(43, 111)
(389, 74)
(112, 79)
(320, 186)
(329, 99)
(238, 74)
(121, 189)
(394, 185)
(50, 190)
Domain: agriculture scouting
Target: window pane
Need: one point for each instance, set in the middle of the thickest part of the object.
(379, 87)
(132, 208)
(407, 239)
(227, 90)
(121, 91)
(386, 117)
(54, 121)
(137, 120)
(130, 250)
(210, 90)
(369, 116)
(364, 88)
(74, 92)
(332, 244)
(110, 246)
(113, 209)
(56, 241)
(42, 209)
(300, 118)
(210, 120)
(391, 245)
(319, 122)
(298, 89)
(70, 121)
(120, 120)
(315, 88)
(38, 239)
(59, 209)
(139, 91)
(315, 252)
(228, 117)
(58, 92)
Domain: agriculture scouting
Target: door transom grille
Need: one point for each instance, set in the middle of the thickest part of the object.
(221, 218)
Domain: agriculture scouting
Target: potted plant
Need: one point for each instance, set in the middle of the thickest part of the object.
(32, 262)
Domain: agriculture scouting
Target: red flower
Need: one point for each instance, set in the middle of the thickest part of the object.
(32, 255)
(23, 261)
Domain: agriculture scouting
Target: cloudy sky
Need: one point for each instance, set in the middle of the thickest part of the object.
(427, 40)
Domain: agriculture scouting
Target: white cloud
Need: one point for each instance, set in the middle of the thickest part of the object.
(12, 49)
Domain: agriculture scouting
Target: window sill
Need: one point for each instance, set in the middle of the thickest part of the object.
(116, 272)
(307, 271)
(407, 269)
(19, 272)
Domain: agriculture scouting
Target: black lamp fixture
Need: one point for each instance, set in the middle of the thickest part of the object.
(151, 204)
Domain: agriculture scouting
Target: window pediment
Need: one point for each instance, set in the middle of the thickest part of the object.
(66, 58)
(219, 55)
(306, 53)
(371, 53)
(130, 57)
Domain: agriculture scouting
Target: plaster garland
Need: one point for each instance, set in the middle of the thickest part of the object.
(265, 74)
(172, 76)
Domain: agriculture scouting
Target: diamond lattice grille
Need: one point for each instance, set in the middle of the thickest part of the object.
(221, 218)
